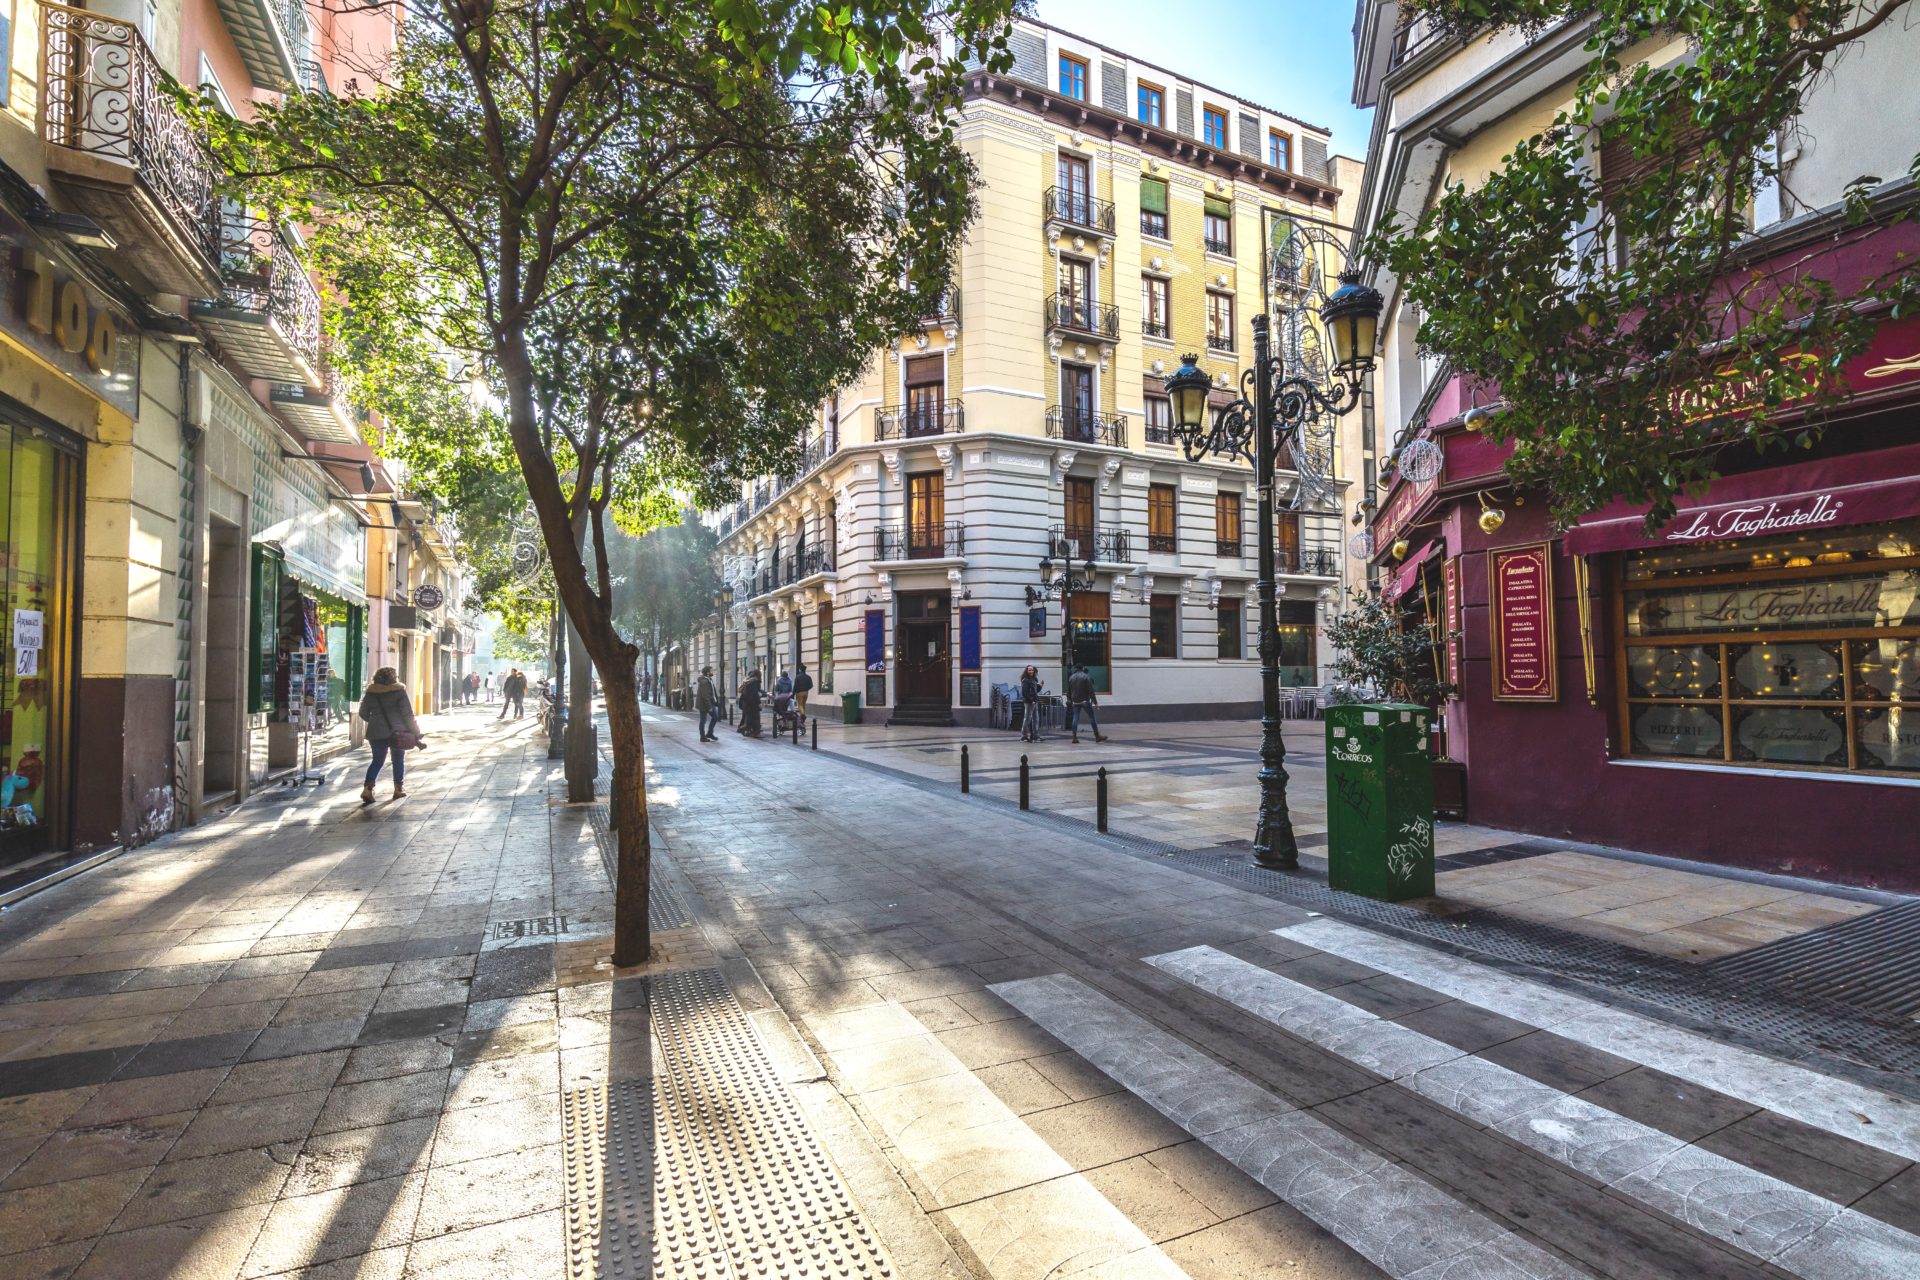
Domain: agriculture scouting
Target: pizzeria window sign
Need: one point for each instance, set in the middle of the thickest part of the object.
(1795, 653)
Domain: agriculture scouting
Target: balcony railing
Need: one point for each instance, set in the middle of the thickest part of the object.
(106, 96)
(267, 317)
(1078, 209)
(946, 309)
(915, 541)
(1316, 562)
(762, 494)
(1220, 341)
(929, 418)
(1156, 328)
(1159, 433)
(1164, 544)
(810, 561)
(273, 37)
(1226, 546)
(1412, 38)
(1220, 245)
(1086, 427)
(816, 451)
(1082, 315)
(1107, 544)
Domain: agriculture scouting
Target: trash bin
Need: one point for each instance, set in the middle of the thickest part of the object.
(850, 708)
(1380, 800)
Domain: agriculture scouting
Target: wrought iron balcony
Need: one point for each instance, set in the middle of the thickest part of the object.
(267, 317)
(1220, 340)
(1159, 433)
(1220, 245)
(121, 148)
(946, 310)
(1226, 546)
(1107, 544)
(1156, 328)
(1086, 427)
(762, 494)
(930, 418)
(810, 561)
(915, 541)
(1164, 544)
(1078, 209)
(1311, 562)
(1082, 315)
(816, 451)
(324, 413)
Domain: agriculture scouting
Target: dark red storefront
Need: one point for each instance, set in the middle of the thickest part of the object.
(1743, 686)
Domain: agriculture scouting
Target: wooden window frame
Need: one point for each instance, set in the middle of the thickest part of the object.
(1213, 328)
(1848, 704)
(1085, 77)
(1161, 289)
(1285, 139)
(1141, 89)
(1163, 519)
(1223, 502)
(1207, 117)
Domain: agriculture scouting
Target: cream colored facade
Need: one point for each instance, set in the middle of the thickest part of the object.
(985, 404)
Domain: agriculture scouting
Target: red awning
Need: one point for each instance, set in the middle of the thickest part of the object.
(1860, 488)
(1403, 578)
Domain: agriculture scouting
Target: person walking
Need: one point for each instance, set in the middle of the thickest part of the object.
(802, 686)
(1080, 698)
(749, 698)
(391, 730)
(473, 687)
(489, 687)
(706, 700)
(1030, 704)
(513, 694)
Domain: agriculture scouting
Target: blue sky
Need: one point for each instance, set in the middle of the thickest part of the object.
(1295, 56)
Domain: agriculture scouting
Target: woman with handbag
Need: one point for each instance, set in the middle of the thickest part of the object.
(391, 727)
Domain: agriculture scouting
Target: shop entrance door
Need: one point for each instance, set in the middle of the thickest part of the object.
(226, 662)
(925, 669)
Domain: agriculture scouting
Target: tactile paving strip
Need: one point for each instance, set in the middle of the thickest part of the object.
(709, 1170)
(665, 908)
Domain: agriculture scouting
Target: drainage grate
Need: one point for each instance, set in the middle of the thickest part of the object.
(1870, 962)
(531, 927)
(739, 1155)
(665, 907)
(1497, 853)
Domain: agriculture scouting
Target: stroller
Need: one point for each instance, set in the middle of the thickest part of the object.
(786, 716)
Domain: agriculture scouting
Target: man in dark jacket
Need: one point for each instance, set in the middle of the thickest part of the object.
(514, 694)
(750, 704)
(1079, 699)
(802, 686)
(706, 700)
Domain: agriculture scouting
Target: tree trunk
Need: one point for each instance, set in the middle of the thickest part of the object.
(583, 763)
(632, 933)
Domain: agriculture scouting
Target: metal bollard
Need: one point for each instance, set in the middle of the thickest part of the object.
(1100, 800)
(1023, 783)
(796, 731)
(966, 778)
(813, 727)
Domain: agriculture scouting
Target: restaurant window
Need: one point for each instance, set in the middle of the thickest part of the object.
(1073, 77)
(1219, 226)
(1226, 524)
(1156, 310)
(1089, 638)
(1163, 627)
(1298, 663)
(1153, 208)
(1227, 628)
(1793, 653)
(1220, 321)
(1213, 128)
(1159, 420)
(1163, 504)
(1149, 104)
(1279, 149)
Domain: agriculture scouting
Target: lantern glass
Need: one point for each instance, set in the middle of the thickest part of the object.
(1189, 390)
(1352, 318)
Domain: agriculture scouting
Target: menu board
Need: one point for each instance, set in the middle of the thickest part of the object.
(1520, 590)
(1452, 612)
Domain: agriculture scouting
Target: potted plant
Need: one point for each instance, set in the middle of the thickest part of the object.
(1381, 653)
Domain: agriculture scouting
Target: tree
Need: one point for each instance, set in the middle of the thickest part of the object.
(733, 204)
(1633, 341)
(664, 582)
(1376, 648)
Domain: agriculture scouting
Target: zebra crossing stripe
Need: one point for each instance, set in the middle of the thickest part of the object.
(1398, 1221)
(1867, 1116)
(1775, 1221)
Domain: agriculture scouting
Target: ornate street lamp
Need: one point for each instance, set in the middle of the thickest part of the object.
(1060, 586)
(1256, 429)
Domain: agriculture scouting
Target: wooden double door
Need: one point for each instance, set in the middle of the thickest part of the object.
(923, 657)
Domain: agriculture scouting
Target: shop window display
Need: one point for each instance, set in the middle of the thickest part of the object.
(1799, 652)
(34, 676)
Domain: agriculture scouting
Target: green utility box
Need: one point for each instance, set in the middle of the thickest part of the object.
(850, 708)
(1380, 800)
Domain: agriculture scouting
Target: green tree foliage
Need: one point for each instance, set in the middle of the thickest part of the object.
(663, 583)
(1377, 648)
(659, 231)
(1636, 340)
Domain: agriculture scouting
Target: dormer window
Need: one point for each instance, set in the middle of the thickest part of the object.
(1073, 77)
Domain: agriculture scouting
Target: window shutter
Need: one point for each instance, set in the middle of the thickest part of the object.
(1219, 208)
(1153, 195)
(1619, 169)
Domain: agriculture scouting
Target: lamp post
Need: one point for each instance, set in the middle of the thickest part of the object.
(723, 603)
(1255, 430)
(1061, 586)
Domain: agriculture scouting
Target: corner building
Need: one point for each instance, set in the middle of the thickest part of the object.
(1124, 215)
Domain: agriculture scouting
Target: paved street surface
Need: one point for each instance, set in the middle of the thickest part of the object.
(895, 1031)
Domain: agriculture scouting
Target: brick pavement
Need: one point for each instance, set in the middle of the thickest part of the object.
(318, 1040)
